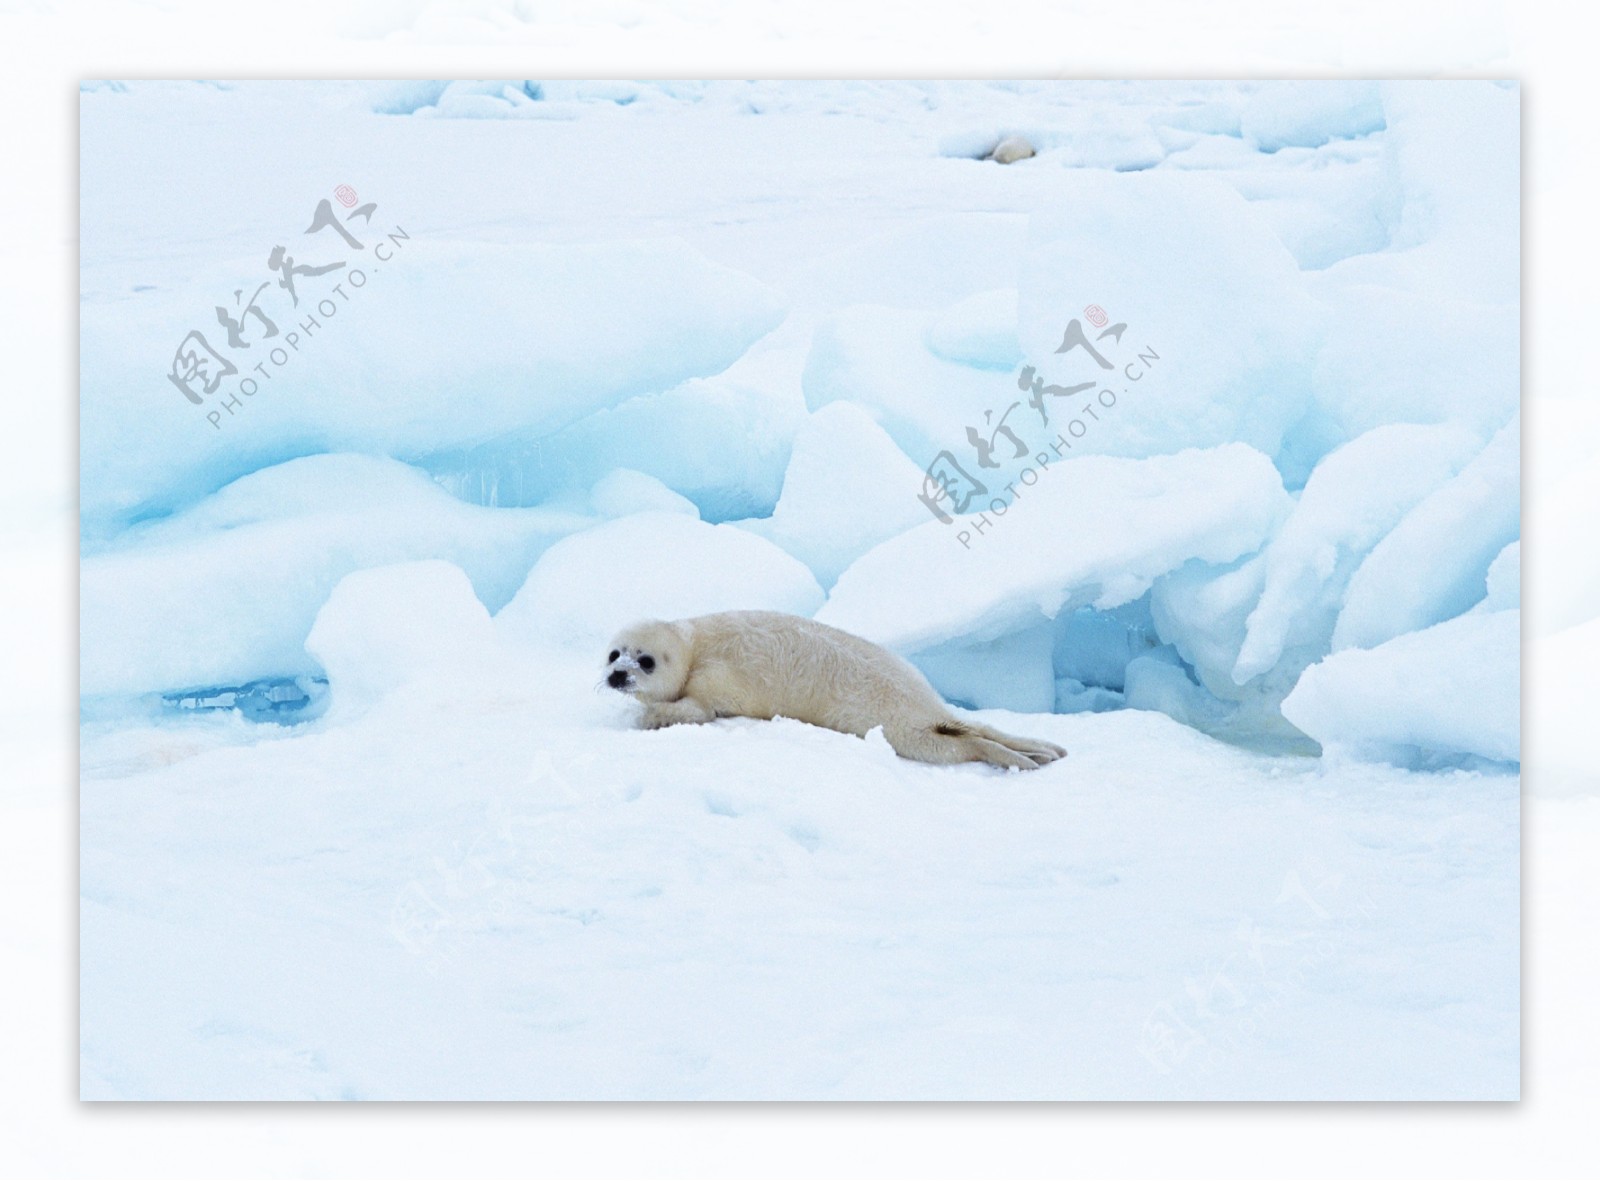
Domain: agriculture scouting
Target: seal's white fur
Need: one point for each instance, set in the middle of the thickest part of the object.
(763, 664)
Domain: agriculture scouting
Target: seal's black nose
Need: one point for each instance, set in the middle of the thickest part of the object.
(617, 679)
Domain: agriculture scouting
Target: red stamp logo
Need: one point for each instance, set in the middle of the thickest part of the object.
(1096, 315)
(346, 195)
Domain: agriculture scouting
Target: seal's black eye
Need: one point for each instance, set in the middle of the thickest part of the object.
(613, 657)
(647, 662)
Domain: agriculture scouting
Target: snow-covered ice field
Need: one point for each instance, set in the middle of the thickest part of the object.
(446, 900)
(666, 348)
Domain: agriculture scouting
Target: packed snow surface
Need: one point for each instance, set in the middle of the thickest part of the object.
(492, 888)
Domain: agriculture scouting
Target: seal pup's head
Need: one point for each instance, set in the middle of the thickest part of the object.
(650, 660)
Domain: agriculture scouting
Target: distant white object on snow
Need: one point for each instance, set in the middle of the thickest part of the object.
(1011, 149)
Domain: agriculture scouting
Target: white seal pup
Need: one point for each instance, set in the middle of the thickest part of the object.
(764, 664)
